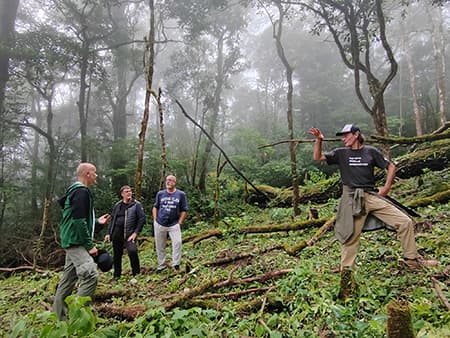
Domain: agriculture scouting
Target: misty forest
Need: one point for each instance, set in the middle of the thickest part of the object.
(222, 94)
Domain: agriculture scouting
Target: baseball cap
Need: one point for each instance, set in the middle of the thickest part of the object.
(348, 128)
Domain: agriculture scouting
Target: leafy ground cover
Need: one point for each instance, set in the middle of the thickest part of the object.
(221, 300)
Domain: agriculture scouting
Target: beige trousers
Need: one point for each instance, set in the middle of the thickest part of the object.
(390, 215)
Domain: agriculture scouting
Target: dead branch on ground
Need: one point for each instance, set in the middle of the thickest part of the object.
(439, 292)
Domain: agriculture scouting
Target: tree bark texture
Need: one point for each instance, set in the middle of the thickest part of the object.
(8, 12)
(149, 60)
(277, 33)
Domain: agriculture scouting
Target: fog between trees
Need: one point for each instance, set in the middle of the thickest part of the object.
(77, 85)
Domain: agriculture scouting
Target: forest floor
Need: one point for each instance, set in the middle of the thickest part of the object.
(235, 284)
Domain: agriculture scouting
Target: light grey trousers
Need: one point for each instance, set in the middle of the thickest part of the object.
(161, 240)
(80, 267)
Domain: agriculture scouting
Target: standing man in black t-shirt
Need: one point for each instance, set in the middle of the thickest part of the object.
(360, 197)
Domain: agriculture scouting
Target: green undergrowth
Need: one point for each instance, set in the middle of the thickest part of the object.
(302, 303)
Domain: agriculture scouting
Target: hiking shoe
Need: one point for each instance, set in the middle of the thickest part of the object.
(176, 267)
(159, 270)
(419, 263)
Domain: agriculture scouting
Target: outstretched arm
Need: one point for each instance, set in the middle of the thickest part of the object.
(318, 155)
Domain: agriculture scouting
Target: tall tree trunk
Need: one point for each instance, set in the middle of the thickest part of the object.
(8, 12)
(36, 111)
(215, 107)
(162, 136)
(49, 186)
(82, 111)
(277, 30)
(415, 98)
(149, 59)
(439, 55)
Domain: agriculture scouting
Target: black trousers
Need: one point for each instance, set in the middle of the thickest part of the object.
(118, 246)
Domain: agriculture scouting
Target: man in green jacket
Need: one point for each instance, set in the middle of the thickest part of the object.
(77, 232)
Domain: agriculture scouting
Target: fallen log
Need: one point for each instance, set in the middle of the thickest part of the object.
(235, 294)
(435, 156)
(208, 234)
(440, 197)
(272, 303)
(128, 313)
(188, 294)
(101, 296)
(410, 140)
(262, 278)
(238, 257)
(283, 227)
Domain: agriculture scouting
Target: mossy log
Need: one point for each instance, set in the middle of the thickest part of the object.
(433, 156)
(440, 197)
(272, 304)
(238, 257)
(410, 140)
(234, 294)
(204, 235)
(261, 279)
(188, 294)
(399, 324)
(284, 227)
(106, 295)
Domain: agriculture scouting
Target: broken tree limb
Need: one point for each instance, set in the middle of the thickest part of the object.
(322, 230)
(299, 140)
(294, 250)
(220, 149)
(22, 268)
(439, 292)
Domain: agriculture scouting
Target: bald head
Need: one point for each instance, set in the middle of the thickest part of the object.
(87, 173)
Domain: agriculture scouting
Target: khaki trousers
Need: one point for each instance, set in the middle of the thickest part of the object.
(390, 215)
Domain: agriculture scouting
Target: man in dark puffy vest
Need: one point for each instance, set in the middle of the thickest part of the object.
(128, 218)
